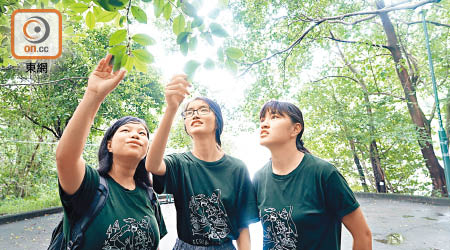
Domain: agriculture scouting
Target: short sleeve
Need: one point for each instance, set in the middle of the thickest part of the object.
(247, 206)
(167, 183)
(76, 204)
(340, 199)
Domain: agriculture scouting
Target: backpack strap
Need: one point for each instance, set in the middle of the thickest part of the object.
(80, 226)
(154, 202)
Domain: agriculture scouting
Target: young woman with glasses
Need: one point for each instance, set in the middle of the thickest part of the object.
(214, 197)
(302, 200)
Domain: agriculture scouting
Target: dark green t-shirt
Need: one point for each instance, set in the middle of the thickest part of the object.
(213, 199)
(303, 209)
(127, 221)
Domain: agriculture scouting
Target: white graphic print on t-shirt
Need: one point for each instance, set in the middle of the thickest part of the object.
(209, 219)
(130, 235)
(280, 232)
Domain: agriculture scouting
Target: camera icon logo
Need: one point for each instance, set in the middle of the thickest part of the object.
(36, 34)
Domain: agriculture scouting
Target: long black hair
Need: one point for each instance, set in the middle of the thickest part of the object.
(105, 158)
(289, 109)
(215, 108)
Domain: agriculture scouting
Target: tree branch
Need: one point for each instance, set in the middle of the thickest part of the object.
(379, 11)
(430, 22)
(311, 27)
(42, 126)
(317, 22)
(336, 76)
(45, 83)
(355, 22)
(357, 42)
(388, 94)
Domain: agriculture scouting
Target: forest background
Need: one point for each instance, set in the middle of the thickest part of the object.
(357, 69)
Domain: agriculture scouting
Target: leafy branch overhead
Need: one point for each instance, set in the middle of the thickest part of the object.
(314, 22)
(130, 49)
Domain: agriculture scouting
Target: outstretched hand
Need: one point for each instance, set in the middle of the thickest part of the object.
(176, 90)
(102, 81)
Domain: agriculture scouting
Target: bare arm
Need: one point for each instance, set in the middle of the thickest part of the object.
(174, 92)
(243, 242)
(69, 162)
(357, 225)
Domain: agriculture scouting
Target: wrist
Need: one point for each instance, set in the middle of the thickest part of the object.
(93, 96)
(171, 109)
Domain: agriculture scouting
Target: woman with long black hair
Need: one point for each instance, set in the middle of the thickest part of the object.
(302, 199)
(214, 197)
(128, 219)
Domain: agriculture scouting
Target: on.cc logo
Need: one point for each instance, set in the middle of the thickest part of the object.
(36, 34)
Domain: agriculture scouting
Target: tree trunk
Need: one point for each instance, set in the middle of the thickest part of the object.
(376, 166)
(374, 155)
(362, 177)
(417, 116)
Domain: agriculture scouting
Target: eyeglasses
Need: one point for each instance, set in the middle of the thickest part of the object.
(200, 111)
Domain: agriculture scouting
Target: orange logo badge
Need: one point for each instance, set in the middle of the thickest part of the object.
(36, 34)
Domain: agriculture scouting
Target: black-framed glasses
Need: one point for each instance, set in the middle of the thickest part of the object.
(200, 111)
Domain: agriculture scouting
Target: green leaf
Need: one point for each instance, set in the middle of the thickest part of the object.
(123, 60)
(112, 5)
(230, 65)
(188, 9)
(79, 7)
(121, 20)
(67, 3)
(118, 61)
(192, 43)
(143, 39)
(143, 55)
(217, 30)
(198, 21)
(209, 64)
(167, 11)
(207, 36)
(106, 16)
(90, 20)
(182, 37)
(139, 14)
(119, 49)
(146, 1)
(118, 37)
(234, 53)
(140, 66)
(158, 6)
(190, 68)
(55, 1)
(129, 64)
(178, 24)
(184, 47)
(97, 11)
(9, 61)
(68, 30)
(214, 13)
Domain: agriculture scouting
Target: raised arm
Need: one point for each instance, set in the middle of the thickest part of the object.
(69, 161)
(174, 92)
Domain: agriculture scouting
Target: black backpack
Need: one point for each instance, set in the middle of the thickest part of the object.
(77, 229)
